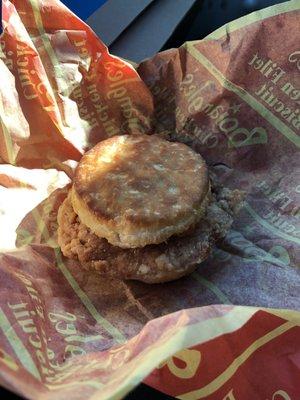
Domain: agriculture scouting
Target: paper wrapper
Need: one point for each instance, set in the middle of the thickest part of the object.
(234, 98)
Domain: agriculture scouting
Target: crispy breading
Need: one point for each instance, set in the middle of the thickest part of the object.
(172, 259)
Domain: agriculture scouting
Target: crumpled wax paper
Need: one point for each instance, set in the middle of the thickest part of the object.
(230, 330)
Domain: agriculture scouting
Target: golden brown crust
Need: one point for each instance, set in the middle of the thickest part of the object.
(163, 262)
(136, 190)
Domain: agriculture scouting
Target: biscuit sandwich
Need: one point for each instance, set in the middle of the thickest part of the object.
(143, 208)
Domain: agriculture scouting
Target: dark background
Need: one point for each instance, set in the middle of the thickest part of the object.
(204, 17)
(208, 15)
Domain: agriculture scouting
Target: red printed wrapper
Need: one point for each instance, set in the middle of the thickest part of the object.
(229, 331)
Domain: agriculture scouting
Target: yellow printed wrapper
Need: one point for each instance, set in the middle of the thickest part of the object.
(230, 330)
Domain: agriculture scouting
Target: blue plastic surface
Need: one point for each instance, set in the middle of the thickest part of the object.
(83, 8)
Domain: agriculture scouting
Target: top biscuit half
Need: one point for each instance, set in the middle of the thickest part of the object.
(136, 190)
